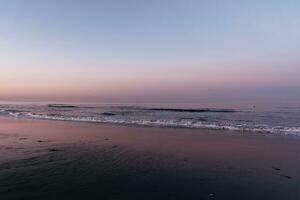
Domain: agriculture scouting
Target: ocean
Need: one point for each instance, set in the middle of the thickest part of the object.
(277, 120)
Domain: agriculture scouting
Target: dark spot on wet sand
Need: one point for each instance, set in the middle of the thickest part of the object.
(40, 141)
(287, 177)
(276, 168)
(23, 138)
(106, 139)
(115, 146)
(53, 150)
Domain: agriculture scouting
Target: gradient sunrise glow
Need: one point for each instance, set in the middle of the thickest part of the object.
(150, 51)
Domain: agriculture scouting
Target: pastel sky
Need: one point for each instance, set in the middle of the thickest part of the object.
(175, 51)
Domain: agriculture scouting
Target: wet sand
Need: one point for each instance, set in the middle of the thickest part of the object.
(67, 160)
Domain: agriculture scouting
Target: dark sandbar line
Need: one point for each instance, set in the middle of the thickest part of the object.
(61, 106)
(190, 110)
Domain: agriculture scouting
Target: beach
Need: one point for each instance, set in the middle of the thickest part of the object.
(42, 159)
(149, 100)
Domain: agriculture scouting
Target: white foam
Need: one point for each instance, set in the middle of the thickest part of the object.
(14, 114)
(173, 123)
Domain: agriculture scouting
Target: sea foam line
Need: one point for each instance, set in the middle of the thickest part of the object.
(172, 123)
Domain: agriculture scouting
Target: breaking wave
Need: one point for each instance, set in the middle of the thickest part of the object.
(278, 122)
(174, 123)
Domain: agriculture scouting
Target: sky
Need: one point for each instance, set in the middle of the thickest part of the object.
(160, 51)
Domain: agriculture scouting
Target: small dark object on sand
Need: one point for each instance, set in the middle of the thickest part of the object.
(276, 168)
(40, 141)
(185, 160)
(288, 177)
(115, 146)
(53, 150)
(22, 138)
(106, 139)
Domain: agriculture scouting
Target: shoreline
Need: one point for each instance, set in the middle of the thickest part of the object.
(79, 160)
(200, 129)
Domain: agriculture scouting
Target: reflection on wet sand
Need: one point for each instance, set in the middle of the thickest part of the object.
(62, 160)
